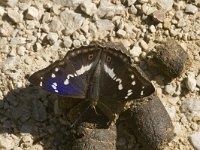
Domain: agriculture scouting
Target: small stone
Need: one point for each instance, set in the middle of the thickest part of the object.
(195, 140)
(191, 82)
(177, 128)
(191, 108)
(76, 43)
(198, 80)
(21, 50)
(37, 46)
(15, 16)
(169, 89)
(182, 23)
(136, 51)
(104, 24)
(73, 4)
(52, 38)
(32, 13)
(88, 8)
(172, 112)
(191, 9)
(133, 10)
(67, 41)
(152, 28)
(144, 45)
(26, 140)
(6, 29)
(167, 23)
(159, 15)
(121, 33)
(179, 15)
(10, 3)
(56, 26)
(131, 2)
(109, 10)
(71, 21)
(166, 5)
(38, 111)
(2, 11)
(18, 40)
(6, 142)
(46, 17)
(45, 28)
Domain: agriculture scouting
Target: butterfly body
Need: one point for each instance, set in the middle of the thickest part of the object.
(97, 73)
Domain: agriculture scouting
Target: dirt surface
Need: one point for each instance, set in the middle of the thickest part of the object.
(33, 34)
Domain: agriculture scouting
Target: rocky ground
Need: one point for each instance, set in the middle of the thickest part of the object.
(35, 33)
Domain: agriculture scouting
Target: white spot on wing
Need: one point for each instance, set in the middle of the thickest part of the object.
(53, 75)
(109, 71)
(56, 69)
(66, 82)
(120, 87)
(142, 92)
(83, 69)
(56, 91)
(132, 76)
(113, 76)
(133, 83)
(40, 83)
(54, 87)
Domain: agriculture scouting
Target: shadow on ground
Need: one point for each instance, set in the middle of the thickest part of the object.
(31, 112)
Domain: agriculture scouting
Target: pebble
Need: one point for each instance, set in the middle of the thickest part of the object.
(170, 89)
(6, 142)
(10, 3)
(172, 112)
(136, 51)
(133, 10)
(108, 10)
(88, 8)
(198, 80)
(38, 111)
(18, 41)
(76, 43)
(131, 2)
(177, 129)
(52, 38)
(21, 50)
(73, 4)
(2, 11)
(121, 33)
(191, 82)
(191, 108)
(166, 5)
(152, 29)
(71, 21)
(56, 26)
(15, 16)
(37, 46)
(195, 140)
(167, 23)
(67, 41)
(191, 9)
(144, 45)
(26, 140)
(159, 15)
(104, 24)
(32, 13)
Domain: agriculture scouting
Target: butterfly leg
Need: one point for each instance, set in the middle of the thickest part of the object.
(107, 111)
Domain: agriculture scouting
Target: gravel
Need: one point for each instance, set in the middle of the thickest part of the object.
(36, 33)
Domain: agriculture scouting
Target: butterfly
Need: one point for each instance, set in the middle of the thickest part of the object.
(101, 73)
